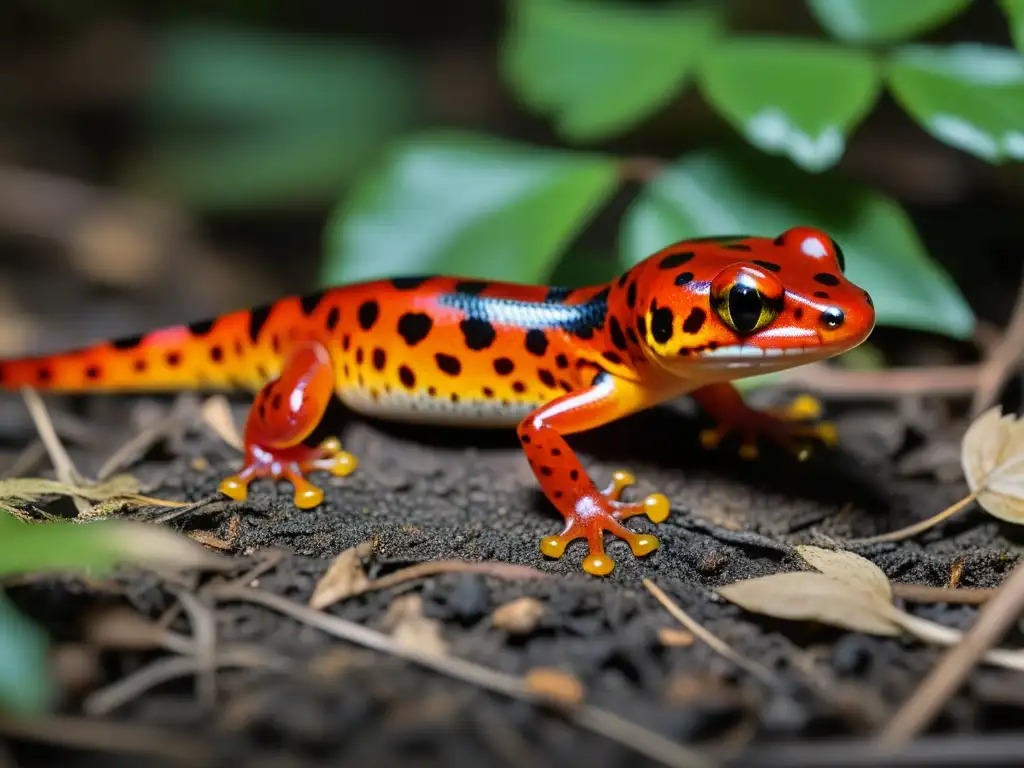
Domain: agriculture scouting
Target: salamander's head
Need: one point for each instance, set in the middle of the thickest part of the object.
(734, 307)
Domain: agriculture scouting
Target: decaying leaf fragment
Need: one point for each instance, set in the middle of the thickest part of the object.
(992, 456)
(409, 626)
(519, 616)
(344, 578)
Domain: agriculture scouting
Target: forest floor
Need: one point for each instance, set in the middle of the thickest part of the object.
(231, 680)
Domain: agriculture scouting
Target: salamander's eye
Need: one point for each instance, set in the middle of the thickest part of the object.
(746, 300)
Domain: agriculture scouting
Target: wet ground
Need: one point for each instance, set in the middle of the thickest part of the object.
(299, 696)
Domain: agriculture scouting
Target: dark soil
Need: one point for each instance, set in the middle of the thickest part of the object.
(426, 495)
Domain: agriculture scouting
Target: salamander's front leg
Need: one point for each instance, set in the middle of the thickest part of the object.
(284, 413)
(793, 427)
(588, 512)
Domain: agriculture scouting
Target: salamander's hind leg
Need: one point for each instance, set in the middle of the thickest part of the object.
(795, 427)
(284, 413)
(589, 513)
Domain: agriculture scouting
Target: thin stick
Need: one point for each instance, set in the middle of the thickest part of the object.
(718, 645)
(63, 467)
(104, 736)
(129, 688)
(916, 528)
(26, 461)
(994, 619)
(1001, 360)
(204, 630)
(923, 593)
(139, 444)
(648, 743)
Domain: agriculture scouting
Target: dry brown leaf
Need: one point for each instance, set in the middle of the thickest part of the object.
(814, 597)
(344, 578)
(217, 416)
(519, 616)
(407, 625)
(992, 456)
(857, 571)
(555, 686)
(675, 638)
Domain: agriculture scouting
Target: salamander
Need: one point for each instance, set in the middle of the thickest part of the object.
(547, 361)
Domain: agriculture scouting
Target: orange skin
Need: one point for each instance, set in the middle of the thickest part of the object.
(687, 320)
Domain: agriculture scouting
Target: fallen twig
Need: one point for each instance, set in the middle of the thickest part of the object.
(204, 633)
(142, 442)
(63, 466)
(994, 619)
(1001, 360)
(646, 742)
(719, 646)
(923, 593)
(106, 736)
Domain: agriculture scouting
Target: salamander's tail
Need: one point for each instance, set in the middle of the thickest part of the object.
(220, 354)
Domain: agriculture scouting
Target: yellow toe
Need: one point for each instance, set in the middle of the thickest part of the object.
(598, 564)
(234, 488)
(656, 507)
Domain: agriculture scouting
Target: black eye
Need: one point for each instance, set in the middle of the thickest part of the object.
(839, 256)
(832, 317)
(745, 307)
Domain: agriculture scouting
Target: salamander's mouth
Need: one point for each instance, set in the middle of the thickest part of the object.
(745, 357)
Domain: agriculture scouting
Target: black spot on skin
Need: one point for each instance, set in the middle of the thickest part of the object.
(239, 350)
(565, 385)
(44, 374)
(821, 294)
(201, 327)
(488, 392)
(518, 387)
(683, 278)
(525, 439)
(832, 318)
(771, 266)
(275, 343)
(470, 287)
(216, 353)
(333, 316)
(408, 283)
(448, 364)
(612, 358)
(826, 278)
(173, 358)
(556, 452)
(574, 475)
(369, 311)
(631, 295)
(674, 260)
(359, 356)
(641, 325)
(275, 401)
(262, 411)
(479, 334)
(257, 319)
(695, 320)
(585, 333)
(130, 342)
(736, 247)
(414, 327)
(92, 372)
(661, 323)
(779, 241)
(536, 342)
(432, 391)
(546, 471)
(346, 342)
(615, 332)
(558, 494)
(623, 278)
(310, 303)
(561, 360)
(546, 377)
(379, 359)
(685, 351)
(631, 335)
(798, 313)
(139, 366)
(503, 366)
(556, 295)
(453, 397)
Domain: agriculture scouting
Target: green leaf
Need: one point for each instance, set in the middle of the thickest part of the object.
(713, 192)
(883, 21)
(597, 67)
(25, 684)
(242, 119)
(792, 97)
(1014, 10)
(969, 96)
(466, 205)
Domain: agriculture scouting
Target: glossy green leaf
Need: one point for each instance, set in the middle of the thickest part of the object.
(598, 68)
(969, 96)
(243, 119)
(792, 97)
(1014, 10)
(883, 21)
(713, 192)
(25, 684)
(465, 205)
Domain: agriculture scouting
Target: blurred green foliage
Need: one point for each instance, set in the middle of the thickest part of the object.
(599, 68)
